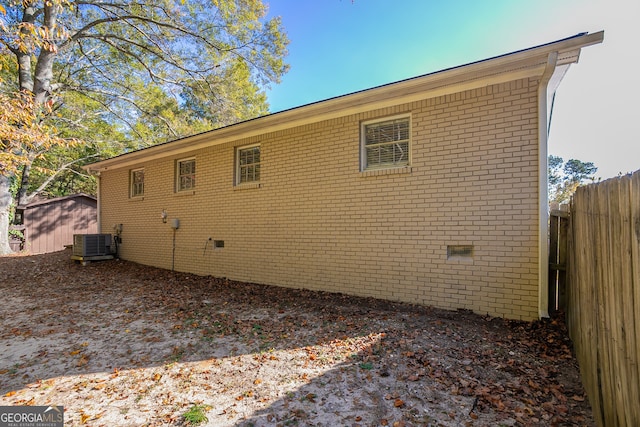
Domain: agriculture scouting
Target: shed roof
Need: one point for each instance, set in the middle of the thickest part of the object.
(41, 202)
(524, 63)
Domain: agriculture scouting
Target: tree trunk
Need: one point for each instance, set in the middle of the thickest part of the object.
(24, 71)
(24, 57)
(23, 197)
(44, 65)
(5, 205)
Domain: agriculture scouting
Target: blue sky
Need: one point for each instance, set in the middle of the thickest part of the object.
(342, 46)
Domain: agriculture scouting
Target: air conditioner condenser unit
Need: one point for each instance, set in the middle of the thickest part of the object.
(90, 245)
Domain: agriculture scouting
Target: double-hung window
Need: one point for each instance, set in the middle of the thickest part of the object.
(248, 164)
(386, 143)
(185, 174)
(137, 183)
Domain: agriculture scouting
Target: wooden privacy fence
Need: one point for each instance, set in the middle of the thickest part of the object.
(558, 235)
(603, 310)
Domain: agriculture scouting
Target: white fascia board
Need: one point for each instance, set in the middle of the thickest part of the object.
(523, 64)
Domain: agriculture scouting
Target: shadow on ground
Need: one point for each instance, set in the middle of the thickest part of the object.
(118, 343)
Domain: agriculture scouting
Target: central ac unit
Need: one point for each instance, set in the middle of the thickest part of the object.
(88, 245)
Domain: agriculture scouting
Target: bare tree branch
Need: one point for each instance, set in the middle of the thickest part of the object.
(45, 184)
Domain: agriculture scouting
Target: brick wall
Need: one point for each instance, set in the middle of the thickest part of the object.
(318, 222)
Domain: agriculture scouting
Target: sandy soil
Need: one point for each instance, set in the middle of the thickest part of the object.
(120, 344)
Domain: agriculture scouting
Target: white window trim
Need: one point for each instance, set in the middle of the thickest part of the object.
(363, 150)
(252, 184)
(131, 183)
(177, 174)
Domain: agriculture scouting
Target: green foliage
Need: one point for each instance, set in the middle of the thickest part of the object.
(555, 166)
(196, 415)
(17, 234)
(366, 366)
(236, 97)
(565, 177)
(126, 75)
(578, 171)
(83, 81)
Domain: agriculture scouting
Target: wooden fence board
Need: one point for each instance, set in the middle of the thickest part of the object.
(602, 245)
(625, 300)
(615, 290)
(558, 229)
(582, 323)
(634, 298)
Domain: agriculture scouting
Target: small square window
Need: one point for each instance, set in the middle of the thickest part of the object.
(18, 218)
(137, 183)
(248, 165)
(185, 174)
(386, 143)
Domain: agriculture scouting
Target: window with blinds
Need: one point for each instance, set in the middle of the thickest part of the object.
(186, 174)
(386, 143)
(248, 164)
(137, 183)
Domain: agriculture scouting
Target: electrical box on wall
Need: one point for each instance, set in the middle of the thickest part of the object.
(175, 223)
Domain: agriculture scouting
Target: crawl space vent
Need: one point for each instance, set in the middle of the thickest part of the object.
(460, 252)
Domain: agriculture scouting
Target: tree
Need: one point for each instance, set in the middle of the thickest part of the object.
(23, 135)
(564, 178)
(143, 71)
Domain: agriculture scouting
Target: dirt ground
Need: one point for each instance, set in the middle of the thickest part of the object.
(120, 344)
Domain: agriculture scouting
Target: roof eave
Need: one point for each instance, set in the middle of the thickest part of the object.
(521, 64)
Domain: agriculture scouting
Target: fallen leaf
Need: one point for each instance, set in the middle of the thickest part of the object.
(84, 359)
(156, 386)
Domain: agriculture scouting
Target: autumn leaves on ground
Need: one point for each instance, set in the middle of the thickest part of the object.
(119, 344)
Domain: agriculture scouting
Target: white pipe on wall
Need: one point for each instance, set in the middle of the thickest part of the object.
(543, 199)
(99, 203)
